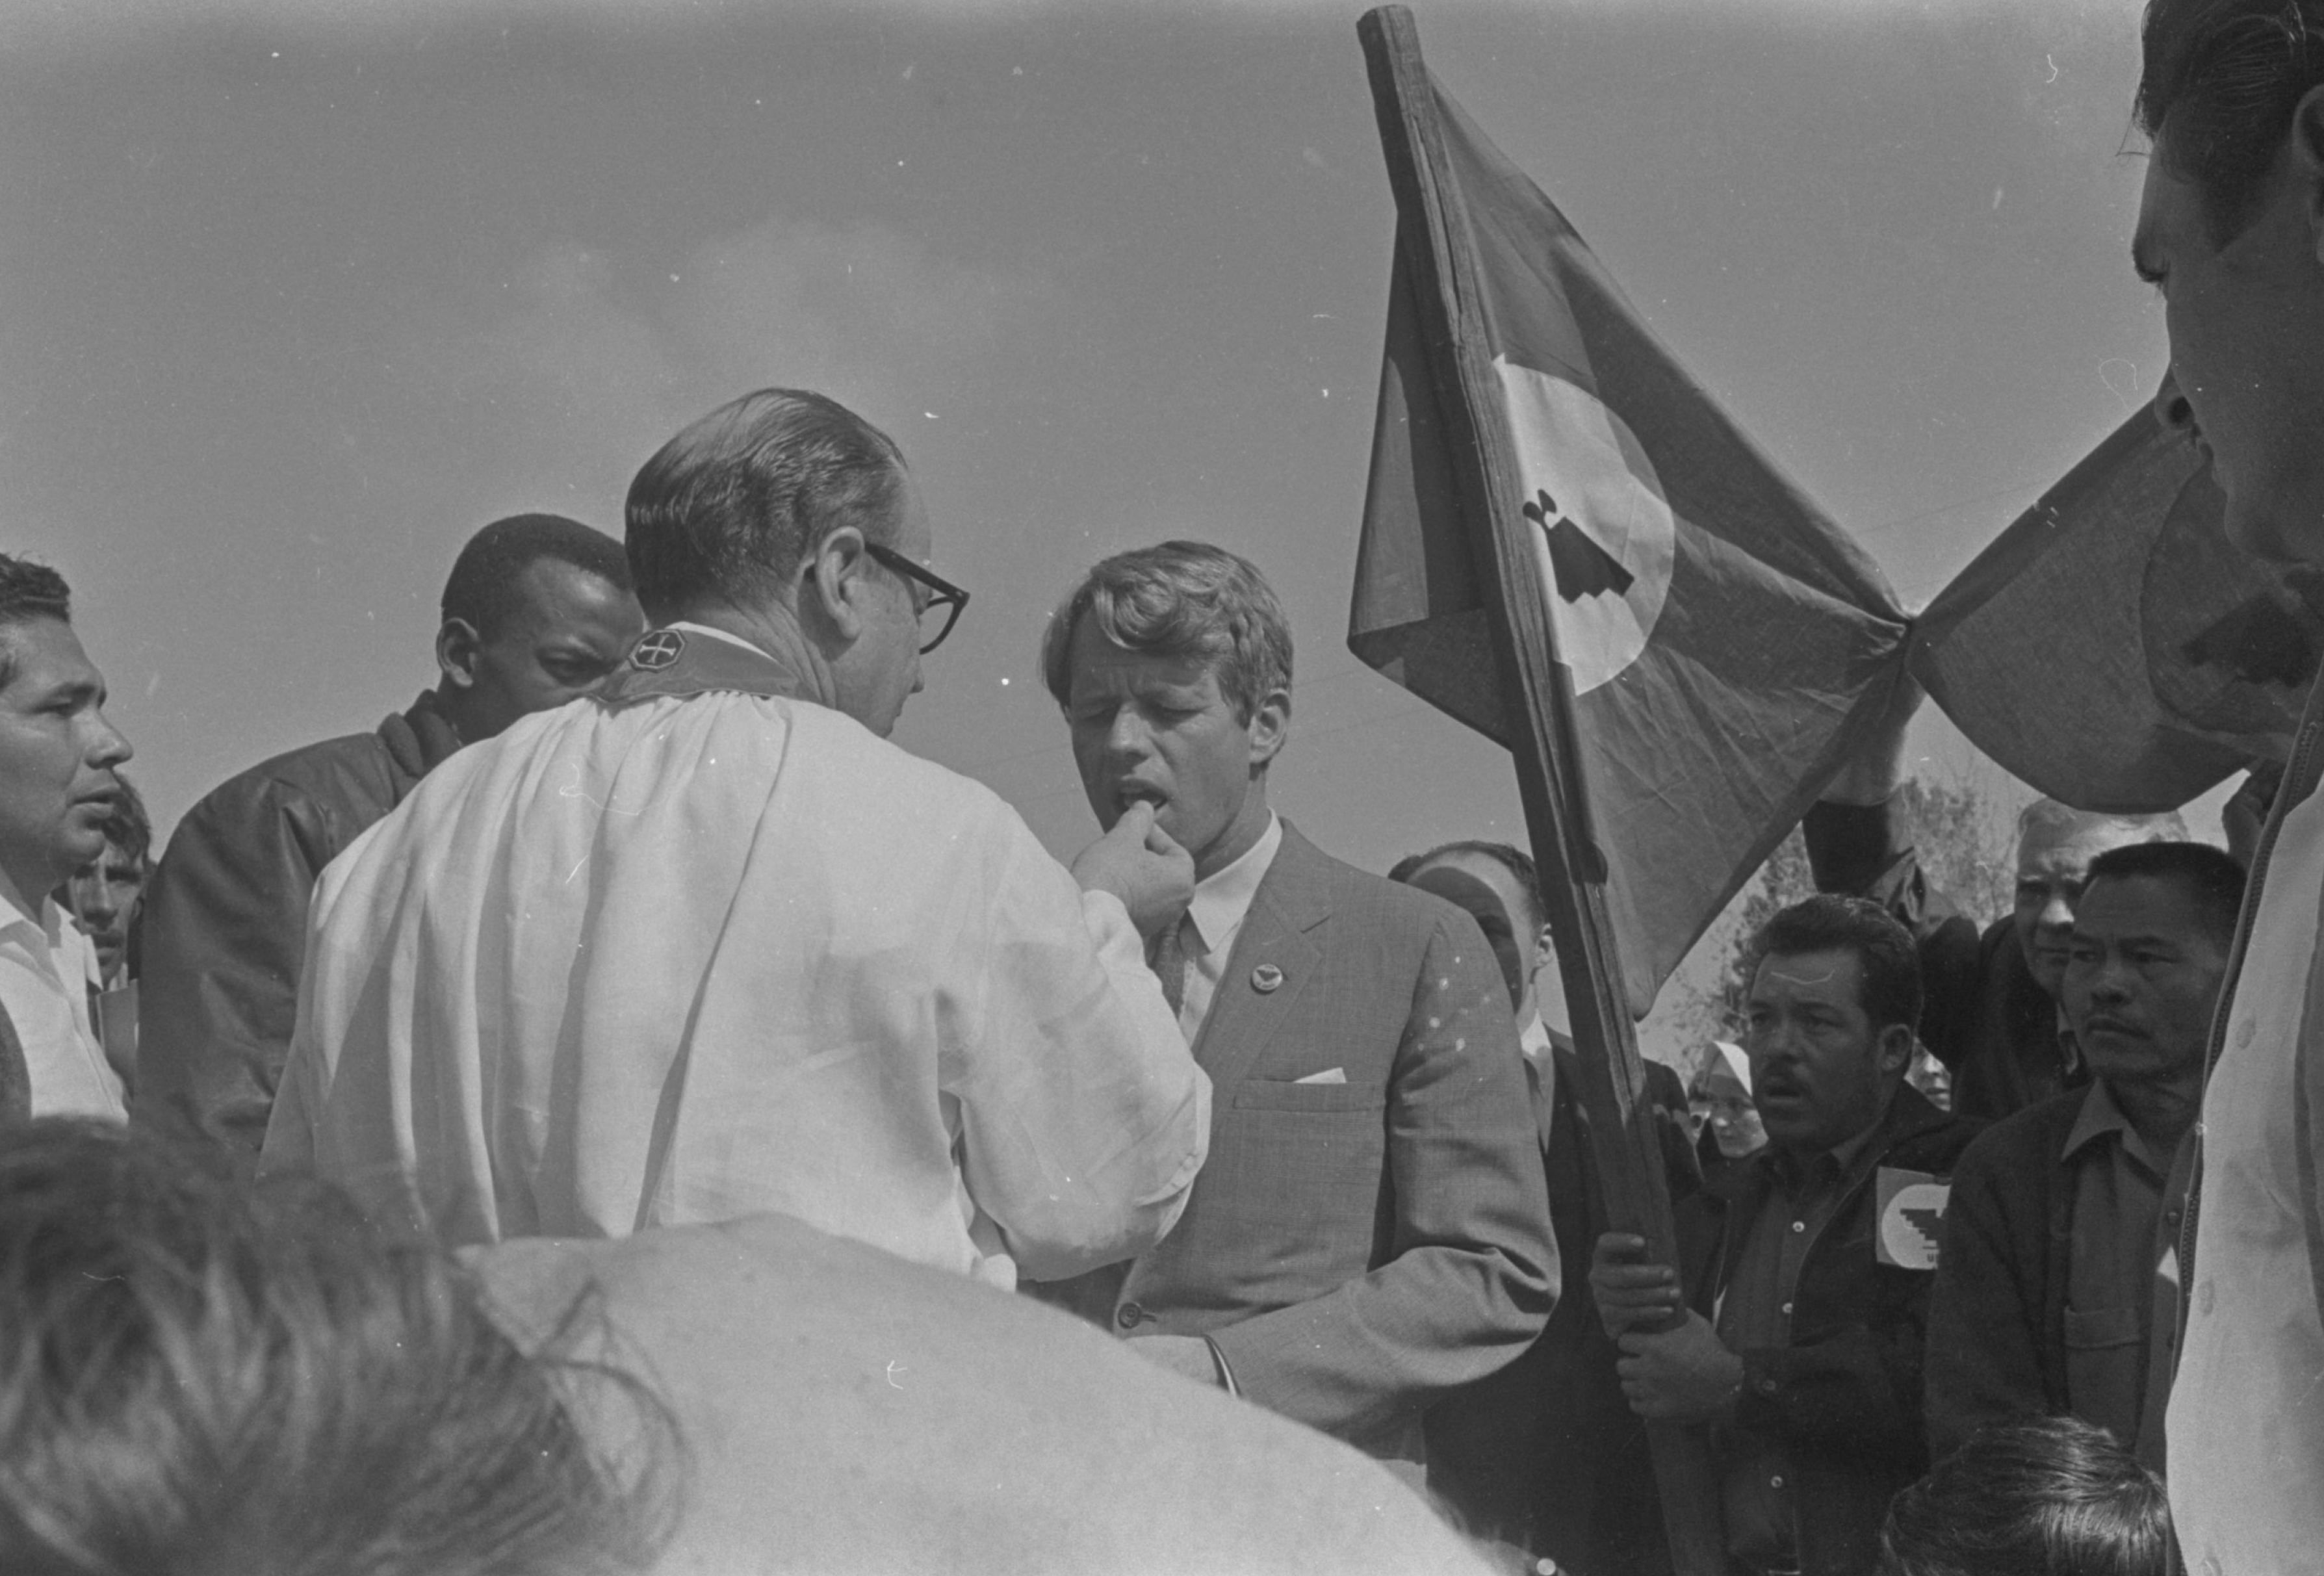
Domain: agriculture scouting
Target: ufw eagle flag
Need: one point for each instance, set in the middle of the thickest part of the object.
(1729, 646)
(2112, 648)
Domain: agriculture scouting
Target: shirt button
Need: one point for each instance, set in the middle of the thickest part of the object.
(1775, 1482)
(1799, 1225)
(1128, 1315)
(2203, 1298)
(1787, 1310)
(1766, 1386)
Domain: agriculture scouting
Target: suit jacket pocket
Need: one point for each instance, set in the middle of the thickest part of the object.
(1321, 1099)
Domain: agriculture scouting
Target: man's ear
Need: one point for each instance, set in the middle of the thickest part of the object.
(457, 647)
(1270, 726)
(834, 583)
(1895, 1043)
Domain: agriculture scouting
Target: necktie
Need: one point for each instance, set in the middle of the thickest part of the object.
(1169, 964)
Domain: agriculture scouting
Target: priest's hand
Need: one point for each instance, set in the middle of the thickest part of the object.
(1686, 1373)
(1139, 863)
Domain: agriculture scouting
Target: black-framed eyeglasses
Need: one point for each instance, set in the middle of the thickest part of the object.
(945, 599)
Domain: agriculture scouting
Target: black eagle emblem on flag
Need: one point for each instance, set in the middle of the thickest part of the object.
(1581, 567)
(1928, 1223)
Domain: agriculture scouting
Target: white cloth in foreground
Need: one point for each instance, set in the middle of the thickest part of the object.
(2245, 1435)
(910, 1422)
(693, 957)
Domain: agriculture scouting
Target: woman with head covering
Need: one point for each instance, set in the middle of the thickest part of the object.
(1734, 1119)
(1731, 1131)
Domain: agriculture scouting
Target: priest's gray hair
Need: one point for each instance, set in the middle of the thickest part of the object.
(729, 509)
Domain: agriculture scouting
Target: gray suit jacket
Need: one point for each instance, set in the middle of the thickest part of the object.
(1357, 1250)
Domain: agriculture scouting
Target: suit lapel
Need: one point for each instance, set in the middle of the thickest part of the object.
(1292, 898)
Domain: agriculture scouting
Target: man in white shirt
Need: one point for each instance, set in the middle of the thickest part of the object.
(1372, 1229)
(2231, 229)
(57, 756)
(706, 945)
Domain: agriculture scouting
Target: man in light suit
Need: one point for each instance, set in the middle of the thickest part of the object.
(1372, 1229)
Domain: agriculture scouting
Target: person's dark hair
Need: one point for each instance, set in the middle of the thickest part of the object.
(2032, 1497)
(2227, 75)
(733, 505)
(1511, 857)
(29, 591)
(2209, 875)
(1179, 599)
(483, 589)
(129, 827)
(1890, 965)
(197, 1376)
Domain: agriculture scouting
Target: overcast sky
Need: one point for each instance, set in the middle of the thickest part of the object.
(293, 297)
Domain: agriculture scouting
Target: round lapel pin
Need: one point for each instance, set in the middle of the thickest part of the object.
(1265, 978)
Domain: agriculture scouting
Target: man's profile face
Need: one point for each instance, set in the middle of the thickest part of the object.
(2243, 320)
(2051, 861)
(2144, 977)
(567, 632)
(57, 757)
(1489, 892)
(1159, 728)
(1819, 1071)
(103, 897)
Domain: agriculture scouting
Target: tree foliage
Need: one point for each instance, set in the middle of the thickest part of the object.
(1964, 840)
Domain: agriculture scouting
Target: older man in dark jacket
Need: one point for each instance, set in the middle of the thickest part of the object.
(537, 611)
(1801, 1306)
(2058, 1288)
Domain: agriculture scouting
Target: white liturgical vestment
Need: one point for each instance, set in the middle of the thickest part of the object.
(680, 954)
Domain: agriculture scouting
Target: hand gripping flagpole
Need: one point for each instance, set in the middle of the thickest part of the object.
(1436, 244)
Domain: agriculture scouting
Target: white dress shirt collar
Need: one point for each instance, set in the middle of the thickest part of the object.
(1533, 1039)
(1222, 898)
(691, 627)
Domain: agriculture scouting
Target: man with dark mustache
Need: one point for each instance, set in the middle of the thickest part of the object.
(1800, 1313)
(2057, 1242)
(1989, 998)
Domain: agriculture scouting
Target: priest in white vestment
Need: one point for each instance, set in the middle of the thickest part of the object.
(706, 945)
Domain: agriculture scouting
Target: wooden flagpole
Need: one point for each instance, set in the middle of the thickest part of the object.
(1433, 232)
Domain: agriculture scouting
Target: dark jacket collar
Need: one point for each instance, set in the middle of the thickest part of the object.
(1910, 1114)
(418, 741)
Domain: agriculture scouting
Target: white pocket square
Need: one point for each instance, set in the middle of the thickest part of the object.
(1328, 1075)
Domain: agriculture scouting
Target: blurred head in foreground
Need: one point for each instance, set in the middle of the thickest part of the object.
(196, 1376)
(2036, 1497)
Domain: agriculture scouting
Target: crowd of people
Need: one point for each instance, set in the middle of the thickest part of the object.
(623, 1112)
